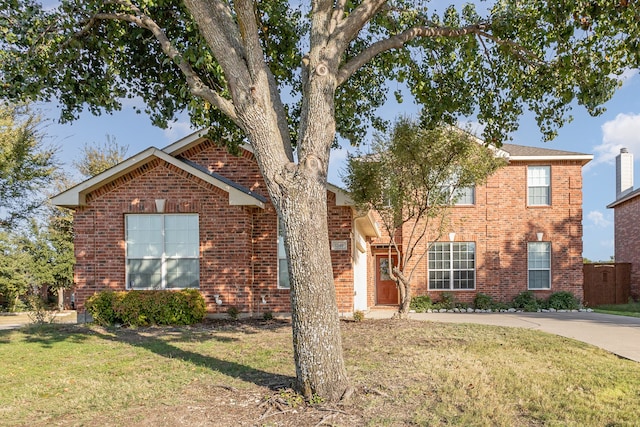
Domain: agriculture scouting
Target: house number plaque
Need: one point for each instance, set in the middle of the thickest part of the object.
(338, 245)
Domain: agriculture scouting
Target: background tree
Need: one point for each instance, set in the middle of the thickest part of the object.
(97, 158)
(14, 280)
(27, 166)
(228, 63)
(412, 178)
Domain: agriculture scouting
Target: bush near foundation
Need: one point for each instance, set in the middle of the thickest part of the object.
(144, 308)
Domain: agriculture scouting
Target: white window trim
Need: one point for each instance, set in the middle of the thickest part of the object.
(451, 269)
(163, 257)
(530, 186)
(539, 269)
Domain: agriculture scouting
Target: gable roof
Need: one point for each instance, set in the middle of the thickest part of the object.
(525, 153)
(632, 195)
(76, 196)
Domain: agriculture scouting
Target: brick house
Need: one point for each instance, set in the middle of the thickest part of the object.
(193, 215)
(626, 213)
(520, 231)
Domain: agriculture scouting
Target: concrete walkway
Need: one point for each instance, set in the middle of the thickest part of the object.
(618, 334)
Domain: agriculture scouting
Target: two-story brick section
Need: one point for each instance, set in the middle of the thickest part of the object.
(626, 212)
(522, 230)
(193, 215)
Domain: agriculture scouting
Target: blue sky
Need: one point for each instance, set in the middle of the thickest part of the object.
(602, 136)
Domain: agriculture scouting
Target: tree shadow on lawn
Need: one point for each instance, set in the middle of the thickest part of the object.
(163, 347)
(158, 341)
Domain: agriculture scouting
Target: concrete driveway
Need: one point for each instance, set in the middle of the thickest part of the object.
(16, 320)
(618, 334)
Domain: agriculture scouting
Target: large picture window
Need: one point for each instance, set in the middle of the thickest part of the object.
(452, 265)
(283, 263)
(539, 185)
(162, 251)
(539, 264)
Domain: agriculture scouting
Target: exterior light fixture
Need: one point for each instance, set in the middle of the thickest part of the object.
(160, 205)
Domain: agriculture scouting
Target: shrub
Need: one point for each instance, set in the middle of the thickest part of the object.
(483, 301)
(233, 312)
(526, 301)
(267, 315)
(358, 316)
(421, 304)
(143, 308)
(101, 306)
(447, 300)
(563, 300)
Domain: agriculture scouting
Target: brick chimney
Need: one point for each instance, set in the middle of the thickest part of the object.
(624, 173)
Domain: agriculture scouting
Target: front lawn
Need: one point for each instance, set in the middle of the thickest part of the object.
(238, 373)
(631, 309)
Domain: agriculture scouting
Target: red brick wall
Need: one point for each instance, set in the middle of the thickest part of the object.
(238, 244)
(627, 239)
(500, 223)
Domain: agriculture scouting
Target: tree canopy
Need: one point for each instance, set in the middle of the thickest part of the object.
(27, 166)
(511, 56)
(96, 158)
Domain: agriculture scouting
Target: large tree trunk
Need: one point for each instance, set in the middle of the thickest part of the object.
(298, 191)
(317, 342)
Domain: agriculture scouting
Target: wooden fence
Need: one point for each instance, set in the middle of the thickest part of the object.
(606, 283)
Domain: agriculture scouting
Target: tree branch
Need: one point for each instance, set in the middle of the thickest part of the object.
(348, 28)
(196, 86)
(400, 40)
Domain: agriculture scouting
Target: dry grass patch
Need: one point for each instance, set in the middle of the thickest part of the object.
(239, 373)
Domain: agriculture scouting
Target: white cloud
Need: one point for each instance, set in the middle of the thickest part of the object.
(598, 219)
(177, 130)
(623, 131)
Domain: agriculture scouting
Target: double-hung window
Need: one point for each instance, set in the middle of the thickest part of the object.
(539, 185)
(283, 263)
(458, 195)
(452, 265)
(539, 265)
(464, 196)
(163, 251)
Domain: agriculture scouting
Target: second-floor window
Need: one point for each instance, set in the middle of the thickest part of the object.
(464, 196)
(539, 185)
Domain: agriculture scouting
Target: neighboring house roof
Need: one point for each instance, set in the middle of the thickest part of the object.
(76, 196)
(628, 196)
(524, 153)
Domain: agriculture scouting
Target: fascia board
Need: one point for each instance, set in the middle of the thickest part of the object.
(584, 158)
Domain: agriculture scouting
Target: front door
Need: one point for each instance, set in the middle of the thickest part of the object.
(386, 289)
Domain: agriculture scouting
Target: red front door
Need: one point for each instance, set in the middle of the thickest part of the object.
(386, 289)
